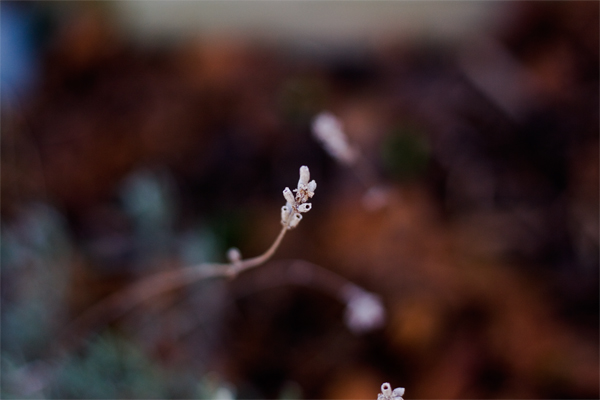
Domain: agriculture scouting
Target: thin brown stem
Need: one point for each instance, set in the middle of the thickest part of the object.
(123, 301)
(256, 261)
(297, 272)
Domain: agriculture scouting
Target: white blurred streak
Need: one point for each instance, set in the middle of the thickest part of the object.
(490, 67)
(364, 310)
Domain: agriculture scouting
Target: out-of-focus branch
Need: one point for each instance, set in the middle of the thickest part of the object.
(132, 296)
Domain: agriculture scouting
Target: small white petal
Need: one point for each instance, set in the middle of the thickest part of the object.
(289, 196)
(364, 312)
(295, 220)
(304, 176)
(304, 207)
(386, 389)
(398, 393)
(285, 213)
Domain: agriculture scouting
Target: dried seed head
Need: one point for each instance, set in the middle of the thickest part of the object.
(296, 204)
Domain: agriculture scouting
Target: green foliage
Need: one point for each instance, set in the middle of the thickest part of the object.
(112, 368)
(198, 245)
(148, 199)
(35, 251)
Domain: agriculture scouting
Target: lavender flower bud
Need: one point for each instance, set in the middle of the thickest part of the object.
(304, 176)
(285, 213)
(289, 196)
(295, 220)
(304, 207)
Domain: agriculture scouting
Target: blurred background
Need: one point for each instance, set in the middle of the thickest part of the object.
(140, 137)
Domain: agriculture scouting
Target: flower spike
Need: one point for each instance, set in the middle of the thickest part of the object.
(297, 204)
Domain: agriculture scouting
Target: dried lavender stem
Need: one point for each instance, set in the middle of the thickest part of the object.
(123, 301)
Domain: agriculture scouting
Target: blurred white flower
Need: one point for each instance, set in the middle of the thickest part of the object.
(223, 393)
(387, 394)
(234, 255)
(375, 198)
(328, 130)
(364, 311)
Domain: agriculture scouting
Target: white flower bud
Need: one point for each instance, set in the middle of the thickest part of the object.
(386, 389)
(304, 176)
(398, 393)
(285, 213)
(304, 207)
(387, 394)
(289, 196)
(312, 186)
(295, 220)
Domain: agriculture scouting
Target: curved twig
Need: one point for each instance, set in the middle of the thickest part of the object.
(132, 296)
